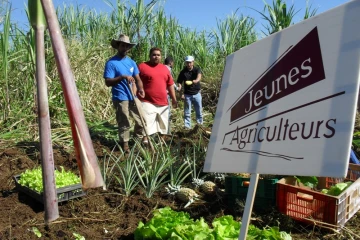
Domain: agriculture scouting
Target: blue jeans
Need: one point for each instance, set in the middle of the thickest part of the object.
(195, 100)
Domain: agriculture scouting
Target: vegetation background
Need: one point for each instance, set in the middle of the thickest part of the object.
(87, 35)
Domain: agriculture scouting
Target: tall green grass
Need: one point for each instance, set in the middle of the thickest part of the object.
(4, 40)
(87, 34)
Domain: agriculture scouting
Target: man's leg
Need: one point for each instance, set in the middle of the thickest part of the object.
(187, 111)
(169, 119)
(197, 101)
(122, 119)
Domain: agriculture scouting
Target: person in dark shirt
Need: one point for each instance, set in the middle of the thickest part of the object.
(189, 79)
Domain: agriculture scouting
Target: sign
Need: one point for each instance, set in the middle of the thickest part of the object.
(288, 102)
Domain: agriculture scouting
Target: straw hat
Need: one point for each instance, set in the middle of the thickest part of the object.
(122, 38)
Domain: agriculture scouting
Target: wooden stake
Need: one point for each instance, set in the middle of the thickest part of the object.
(37, 21)
(85, 154)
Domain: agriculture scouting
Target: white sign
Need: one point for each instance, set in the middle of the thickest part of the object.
(287, 103)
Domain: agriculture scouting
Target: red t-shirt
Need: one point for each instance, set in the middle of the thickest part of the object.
(156, 79)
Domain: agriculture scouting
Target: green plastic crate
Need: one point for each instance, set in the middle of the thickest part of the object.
(261, 203)
(265, 193)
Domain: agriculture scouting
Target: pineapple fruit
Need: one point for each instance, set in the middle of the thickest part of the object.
(183, 194)
(186, 194)
(208, 187)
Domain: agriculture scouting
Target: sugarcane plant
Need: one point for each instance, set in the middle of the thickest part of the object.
(4, 40)
(279, 16)
(85, 154)
(37, 20)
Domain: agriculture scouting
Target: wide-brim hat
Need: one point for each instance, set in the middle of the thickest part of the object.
(122, 38)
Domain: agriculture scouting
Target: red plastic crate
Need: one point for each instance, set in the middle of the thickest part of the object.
(314, 207)
(352, 175)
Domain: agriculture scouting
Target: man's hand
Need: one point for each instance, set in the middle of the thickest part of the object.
(195, 81)
(141, 93)
(130, 79)
(174, 104)
(179, 87)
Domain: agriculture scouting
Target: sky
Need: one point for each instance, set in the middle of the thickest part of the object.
(199, 14)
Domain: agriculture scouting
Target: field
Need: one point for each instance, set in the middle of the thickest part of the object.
(116, 212)
(110, 214)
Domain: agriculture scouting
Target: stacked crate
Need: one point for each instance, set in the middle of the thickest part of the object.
(237, 187)
(314, 207)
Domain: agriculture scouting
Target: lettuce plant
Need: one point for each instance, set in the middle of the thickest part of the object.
(169, 224)
(33, 179)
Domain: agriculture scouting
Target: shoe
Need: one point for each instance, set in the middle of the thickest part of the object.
(145, 141)
(125, 147)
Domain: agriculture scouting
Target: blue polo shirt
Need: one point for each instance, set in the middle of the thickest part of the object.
(117, 66)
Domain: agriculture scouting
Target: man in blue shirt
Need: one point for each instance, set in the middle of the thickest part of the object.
(119, 71)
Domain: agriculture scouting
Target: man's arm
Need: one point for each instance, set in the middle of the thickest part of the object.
(134, 89)
(113, 81)
(172, 95)
(140, 86)
(198, 77)
(179, 81)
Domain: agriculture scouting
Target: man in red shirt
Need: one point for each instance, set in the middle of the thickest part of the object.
(156, 80)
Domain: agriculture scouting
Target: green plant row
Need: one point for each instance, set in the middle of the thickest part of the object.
(169, 163)
(169, 224)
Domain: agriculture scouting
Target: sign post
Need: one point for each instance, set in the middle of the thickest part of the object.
(250, 198)
(288, 102)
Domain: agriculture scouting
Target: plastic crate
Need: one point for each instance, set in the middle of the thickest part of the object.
(260, 203)
(236, 188)
(352, 175)
(239, 186)
(63, 194)
(313, 207)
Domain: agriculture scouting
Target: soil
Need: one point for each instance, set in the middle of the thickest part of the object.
(110, 215)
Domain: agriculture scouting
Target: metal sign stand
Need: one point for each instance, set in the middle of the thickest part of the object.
(250, 198)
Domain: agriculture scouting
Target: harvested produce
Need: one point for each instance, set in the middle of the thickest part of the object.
(183, 194)
(33, 179)
(186, 194)
(337, 189)
(207, 187)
